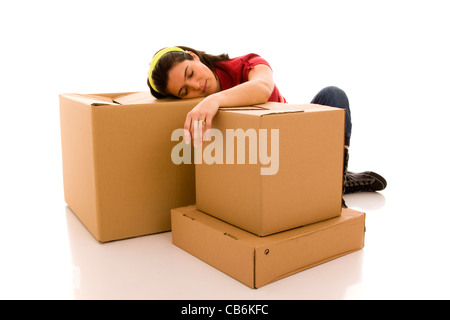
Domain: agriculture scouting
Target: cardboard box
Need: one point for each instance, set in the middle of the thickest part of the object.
(302, 182)
(119, 178)
(257, 261)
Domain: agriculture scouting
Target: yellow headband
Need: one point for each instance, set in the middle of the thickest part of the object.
(155, 60)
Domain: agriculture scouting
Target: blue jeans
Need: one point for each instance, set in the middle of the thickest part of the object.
(335, 97)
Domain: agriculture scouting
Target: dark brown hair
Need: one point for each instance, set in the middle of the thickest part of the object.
(160, 74)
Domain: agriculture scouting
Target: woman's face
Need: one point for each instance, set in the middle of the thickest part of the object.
(192, 79)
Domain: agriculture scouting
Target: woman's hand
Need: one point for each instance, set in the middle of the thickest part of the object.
(199, 119)
(256, 90)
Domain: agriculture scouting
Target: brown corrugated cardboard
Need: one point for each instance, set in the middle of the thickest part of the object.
(300, 184)
(119, 178)
(257, 261)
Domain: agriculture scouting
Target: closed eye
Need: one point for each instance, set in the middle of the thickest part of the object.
(184, 91)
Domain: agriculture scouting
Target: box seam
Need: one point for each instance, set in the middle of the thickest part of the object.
(254, 268)
(178, 185)
(261, 206)
(99, 231)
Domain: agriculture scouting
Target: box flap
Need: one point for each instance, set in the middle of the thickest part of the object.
(135, 98)
(245, 108)
(124, 99)
(260, 110)
(271, 108)
(277, 107)
(91, 99)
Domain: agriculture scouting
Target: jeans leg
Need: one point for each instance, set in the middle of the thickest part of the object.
(335, 97)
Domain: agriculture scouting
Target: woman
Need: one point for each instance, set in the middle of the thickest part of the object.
(183, 72)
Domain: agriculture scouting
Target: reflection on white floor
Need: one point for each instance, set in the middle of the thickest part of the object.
(151, 267)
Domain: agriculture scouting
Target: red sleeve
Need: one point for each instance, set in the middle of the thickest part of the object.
(249, 62)
(235, 71)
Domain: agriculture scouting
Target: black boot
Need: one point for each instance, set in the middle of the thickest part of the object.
(364, 181)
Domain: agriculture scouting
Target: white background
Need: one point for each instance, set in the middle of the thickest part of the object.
(391, 57)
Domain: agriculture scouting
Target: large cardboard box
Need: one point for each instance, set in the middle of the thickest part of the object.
(257, 261)
(119, 178)
(272, 167)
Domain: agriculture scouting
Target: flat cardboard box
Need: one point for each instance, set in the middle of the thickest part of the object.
(302, 185)
(257, 261)
(119, 178)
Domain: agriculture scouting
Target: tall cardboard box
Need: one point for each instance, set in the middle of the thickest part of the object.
(257, 261)
(119, 178)
(285, 168)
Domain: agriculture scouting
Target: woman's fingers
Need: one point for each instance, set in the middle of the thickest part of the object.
(187, 129)
(199, 121)
(198, 131)
(207, 133)
(194, 130)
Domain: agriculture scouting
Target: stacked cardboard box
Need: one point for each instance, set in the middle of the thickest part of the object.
(302, 182)
(269, 192)
(256, 261)
(119, 178)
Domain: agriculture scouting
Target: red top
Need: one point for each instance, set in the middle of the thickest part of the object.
(235, 71)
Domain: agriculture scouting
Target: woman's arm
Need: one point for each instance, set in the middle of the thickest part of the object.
(256, 90)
